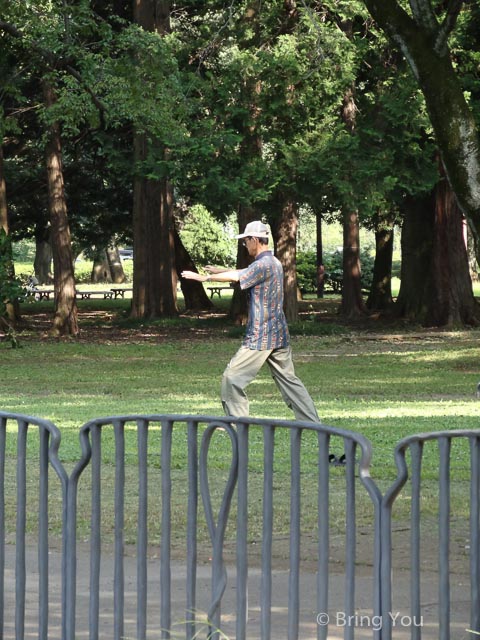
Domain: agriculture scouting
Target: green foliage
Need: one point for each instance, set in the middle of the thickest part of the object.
(10, 287)
(206, 240)
(333, 264)
(23, 251)
(307, 272)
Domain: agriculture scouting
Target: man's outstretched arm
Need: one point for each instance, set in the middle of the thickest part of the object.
(232, 275)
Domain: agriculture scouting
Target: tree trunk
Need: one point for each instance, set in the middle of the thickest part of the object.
(12, 307)
(100, 268)
(239, 305)
(320, 266)
(154, 277)
(65, 321)
(286, 244)
(416, 245)
(424, 43)
(42, 263)
(117, 274)
(472, 258)
(436, 288)
(380, 295)
(194, 293)
(250, 149)
(352, 302)
(154, 280)
(450, 300)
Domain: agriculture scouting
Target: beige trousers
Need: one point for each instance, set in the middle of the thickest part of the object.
(243, 368)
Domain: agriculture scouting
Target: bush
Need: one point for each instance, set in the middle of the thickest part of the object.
(333, 263)
(206, 240)
(307, 272)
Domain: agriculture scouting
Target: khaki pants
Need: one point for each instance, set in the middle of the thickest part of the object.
(243, 368)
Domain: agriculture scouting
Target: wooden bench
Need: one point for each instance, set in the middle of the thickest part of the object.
(217, 290)
(86, 295)
(39, 294)
(120, 291)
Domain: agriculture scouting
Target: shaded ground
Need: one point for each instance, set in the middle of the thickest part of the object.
(315, 317)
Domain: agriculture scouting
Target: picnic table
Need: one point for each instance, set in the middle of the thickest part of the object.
(86, 295)
(82, 294)
(218, 289)
(119, 292)
(39, 294)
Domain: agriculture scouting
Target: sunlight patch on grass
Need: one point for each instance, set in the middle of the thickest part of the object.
(401, 409)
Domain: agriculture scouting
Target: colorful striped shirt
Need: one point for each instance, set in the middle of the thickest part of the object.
(267, 325)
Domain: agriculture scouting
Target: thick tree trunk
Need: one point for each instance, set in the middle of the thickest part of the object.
(352, 302)
(65, 321)
(423, 41)
(239, 305)
(12, 306)
(380, 295)
(416, 245)
(250, 149)
(436, 288)
(154, 280)
(450, 300)
(42, 263)
(194, 293)
(100, 268)
(286, 244)
(117, 274)
(154, 276)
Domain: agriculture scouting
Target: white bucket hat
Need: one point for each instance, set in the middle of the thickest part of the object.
(256, 229)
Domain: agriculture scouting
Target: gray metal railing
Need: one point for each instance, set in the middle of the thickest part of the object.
(437, 534)
(195, 488)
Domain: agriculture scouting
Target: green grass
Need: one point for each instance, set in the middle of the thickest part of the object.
(385, 385)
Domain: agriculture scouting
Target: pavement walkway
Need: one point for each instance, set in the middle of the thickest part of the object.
(364, 622)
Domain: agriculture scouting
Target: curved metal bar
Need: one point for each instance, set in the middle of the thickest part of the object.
(50, 438)
(388, 499)
(475, 532)
(217, 531)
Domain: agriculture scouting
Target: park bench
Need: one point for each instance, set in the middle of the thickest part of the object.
(86, 295)
(39, 294)
(334, 281)
(119, 292)
(218, 289)
(44, 294)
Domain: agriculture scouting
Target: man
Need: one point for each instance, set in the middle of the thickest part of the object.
(266, 338)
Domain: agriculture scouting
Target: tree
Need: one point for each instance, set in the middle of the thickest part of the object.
(155, 280)
(194, 293)
(65, 321)
(422, 35)
(380, 294)
(286, 234)
(451, 301)
(9, 311)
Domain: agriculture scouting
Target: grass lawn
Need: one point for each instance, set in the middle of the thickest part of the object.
(385, 381)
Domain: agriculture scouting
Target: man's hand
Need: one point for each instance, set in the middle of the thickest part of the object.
(212, 269)
(192, 275)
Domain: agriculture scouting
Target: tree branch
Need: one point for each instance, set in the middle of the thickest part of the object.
(453, 10)
(423, 14)
(55, 63)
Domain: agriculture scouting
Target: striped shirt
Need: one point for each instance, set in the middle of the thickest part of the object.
(267, 325)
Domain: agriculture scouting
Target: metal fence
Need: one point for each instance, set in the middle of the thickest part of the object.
(196, 526)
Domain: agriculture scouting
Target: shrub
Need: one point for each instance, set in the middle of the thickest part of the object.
(333, 263)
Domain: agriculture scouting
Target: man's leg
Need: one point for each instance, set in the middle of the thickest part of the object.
(241, 370)
(291, 387)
